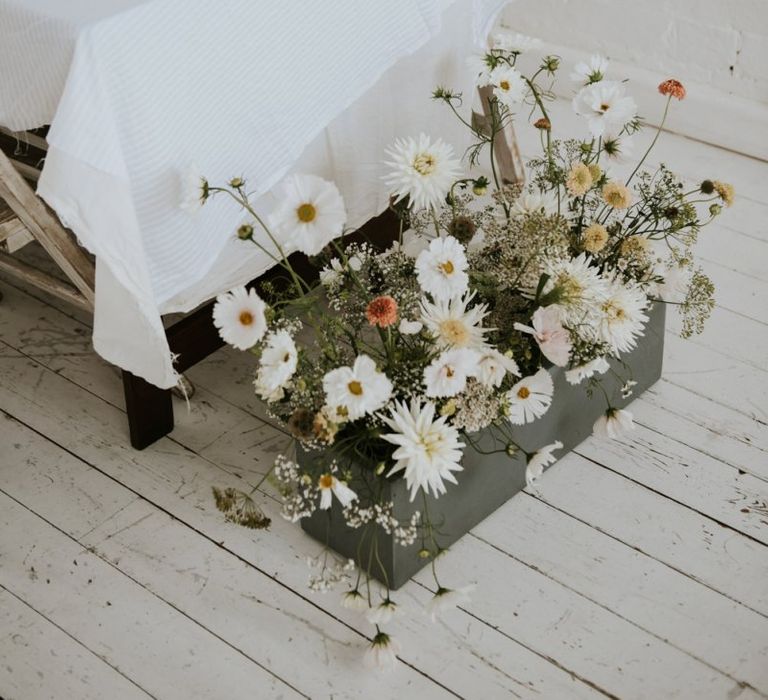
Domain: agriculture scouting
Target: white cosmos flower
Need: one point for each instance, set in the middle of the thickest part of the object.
(239, 316)
(413, 244)
(591, 71)
(578, 374)
(407, 327)
(330, 485)
(441, 268)
(543, 457)
(494, 366)
(279, 360)
(428, 449)
(454, 325)
(517, 43)
(581, 287)
(422, 170)
(605, 107)
(618, 148)
(622, 316)
(382, 654)
(331, 274)
(310, 213)
(530, 398)
(553, 340)
(614, 423)
(481, 71)
(354, 600)
(534, 202)
(675, 284)
(446, 599)
(193, 189)
(382, 613)
(447, 374)
(360, 389)
(508, 85)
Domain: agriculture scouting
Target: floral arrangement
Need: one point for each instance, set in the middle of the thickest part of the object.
(395, 359)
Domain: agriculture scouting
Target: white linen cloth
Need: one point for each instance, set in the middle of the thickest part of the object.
(238, 87)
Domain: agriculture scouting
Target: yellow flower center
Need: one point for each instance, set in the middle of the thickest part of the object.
(355, 388)
(605, 107)
(306, 212)
(246, 318)
(326, 481)
(504, 85)
(614, 312)
(424, 164)
(447, 267)
(286, 357)
(454, 332)
(449, 372)
(523, 392)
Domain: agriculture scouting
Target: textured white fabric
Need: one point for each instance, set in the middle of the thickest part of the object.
(238, 87)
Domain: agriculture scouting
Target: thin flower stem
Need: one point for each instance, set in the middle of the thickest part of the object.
(653, 143)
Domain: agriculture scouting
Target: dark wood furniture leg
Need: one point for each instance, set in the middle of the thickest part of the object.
(194, 337)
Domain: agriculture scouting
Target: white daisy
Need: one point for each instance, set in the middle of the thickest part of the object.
(413, 244)
(239, 316)
(452, 324)
(605, 107)
(515, 43)
(578, 374)
(330, 485)
(534, 202)
(614, 423)
(446, 599)
(580, 288)
(508, 85)
(422, 170)
(675, 284)
(382, 654)
(193, 189)
(493, 368)
(553, 340)
(310, 213)
(538, 460)
(382, 613)
(331, 274)
(530, 398)
(407, 327)
(279, 360)
(428, 449)
(622, 316)
(360, 389)
(354, 600)
(441, 269)
(447, 374)
(591, 71)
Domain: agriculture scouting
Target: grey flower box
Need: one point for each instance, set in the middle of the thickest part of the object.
(488, 481)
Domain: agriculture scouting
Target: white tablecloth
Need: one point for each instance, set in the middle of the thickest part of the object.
(144, 89)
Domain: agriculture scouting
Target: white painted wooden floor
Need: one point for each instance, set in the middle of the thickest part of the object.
(638, 569)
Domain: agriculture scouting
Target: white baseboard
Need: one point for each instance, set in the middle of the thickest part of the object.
(706, 114)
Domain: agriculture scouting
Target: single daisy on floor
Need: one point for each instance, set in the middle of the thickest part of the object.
(310, 213)
(428, 448)
(422, 170)
(447, 598)
(239, 317)
(360, 389)
(441, 269)
(530, 398)
(382, 654)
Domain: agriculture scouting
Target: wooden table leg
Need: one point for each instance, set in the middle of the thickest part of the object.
(150, 410)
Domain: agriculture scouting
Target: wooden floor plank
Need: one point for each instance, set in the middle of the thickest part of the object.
(39, 661)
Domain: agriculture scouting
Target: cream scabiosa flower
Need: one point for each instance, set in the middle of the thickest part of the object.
(441, 268)
(360, 389)
(605, 106)
(553, 340)
(422, 170)
(329, 486)
(310, 213)
(447, 374)
(239, 317)
(279, 360)
(614, 423)
(428, 449)
(543, 457)
(530, 398)
(454, 325)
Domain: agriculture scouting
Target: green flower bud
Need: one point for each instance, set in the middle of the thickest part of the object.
(236, 182)
(245, 232)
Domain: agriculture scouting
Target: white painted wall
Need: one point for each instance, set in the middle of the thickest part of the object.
(718, 48)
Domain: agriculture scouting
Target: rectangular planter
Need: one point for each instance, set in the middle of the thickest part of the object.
(488, 481)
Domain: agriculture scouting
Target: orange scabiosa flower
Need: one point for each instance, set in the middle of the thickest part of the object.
(673, 88)
(382, 311)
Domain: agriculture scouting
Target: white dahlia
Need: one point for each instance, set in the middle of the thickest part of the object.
(454, 325)
(614, 423)
(530, 398)
(447, 374)
(360, 389)
(581, 288)
(422, 170)
(622, 316)
(310, 213)
(428, 449)
(543, 457)
(509, 87)
(279, 360)
(605, 107)
(441, 268)
(239, 317)
(535, 202)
